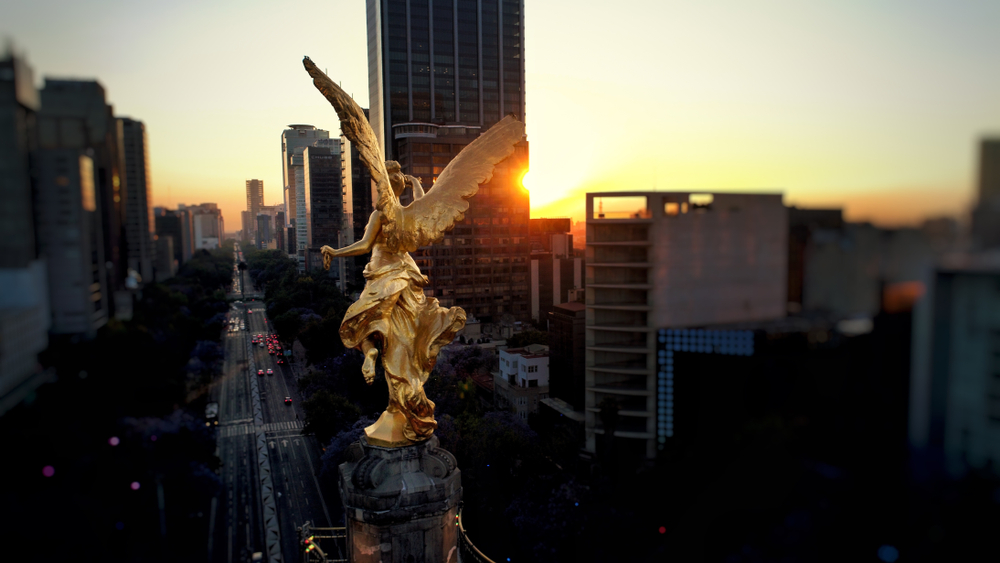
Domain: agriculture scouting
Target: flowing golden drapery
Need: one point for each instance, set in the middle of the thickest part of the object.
(412, 328)
(393, 309)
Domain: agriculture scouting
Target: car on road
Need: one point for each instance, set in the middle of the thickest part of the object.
(288, 400)
(262, 344)
(270, 371)
(271, 351)
(212, 414)
(253, 340)
(260, 372)
(281, 361)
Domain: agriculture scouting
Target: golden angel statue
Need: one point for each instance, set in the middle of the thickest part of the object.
(393, 313)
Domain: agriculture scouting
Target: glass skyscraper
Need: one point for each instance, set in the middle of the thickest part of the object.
(441, 72)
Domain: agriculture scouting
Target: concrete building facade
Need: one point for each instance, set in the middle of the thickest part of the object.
(75, 115)
(567, 353)
(323, 182)
(955, 379)
(246, 232)
(165, 265)
(986, 214)
(69, 236)
(279, 230)
(670, 260)
(297, 136)
(264, 238)
(207, 225)
(556, 273)
(24, 301)
(255, 200)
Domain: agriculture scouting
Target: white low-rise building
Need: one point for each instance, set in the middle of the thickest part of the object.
(523, 378)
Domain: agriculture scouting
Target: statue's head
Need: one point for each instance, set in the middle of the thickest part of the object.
(396, 178)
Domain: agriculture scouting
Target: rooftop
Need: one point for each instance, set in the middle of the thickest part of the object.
(574, 306)
(530, 351)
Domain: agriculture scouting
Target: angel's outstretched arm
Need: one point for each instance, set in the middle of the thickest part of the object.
(418, 189)
(363, 246)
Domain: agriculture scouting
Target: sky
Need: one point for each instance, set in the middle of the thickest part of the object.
(875, 106)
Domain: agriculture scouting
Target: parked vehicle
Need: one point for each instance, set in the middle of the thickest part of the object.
(212, 414)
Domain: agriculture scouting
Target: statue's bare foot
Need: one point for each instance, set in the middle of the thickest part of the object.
(368, 368)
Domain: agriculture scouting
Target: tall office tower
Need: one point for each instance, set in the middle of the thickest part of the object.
(567, 345)
(246, 234)
(297, 136)
(717, 259)
(69, 236)
(417, 49)
(132, 145)
(24, 302)
(18, 137)
(439, 74)
(255, 200)
(279, 230)
(169, 224)
(165, 265)
(264, 239)
(321, 207)
(187, 232)
(986, 214)
(75, 115)
(359, 198)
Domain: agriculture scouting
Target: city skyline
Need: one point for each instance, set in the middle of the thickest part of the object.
(876, 109)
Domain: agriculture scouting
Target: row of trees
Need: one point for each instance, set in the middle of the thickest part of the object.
(307, 308)
(113, 458)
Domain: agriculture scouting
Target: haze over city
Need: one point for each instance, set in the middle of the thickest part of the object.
(639, 281)
(875, 108)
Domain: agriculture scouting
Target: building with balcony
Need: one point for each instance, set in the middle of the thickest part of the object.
(672, 260)
(954, 404)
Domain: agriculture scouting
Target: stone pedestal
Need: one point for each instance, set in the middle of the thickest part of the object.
(401, 503)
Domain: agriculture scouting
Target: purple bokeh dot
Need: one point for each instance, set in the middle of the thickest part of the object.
(48, 471)
(119, 525)
(135, 485)
(114, 441)
(153, 437)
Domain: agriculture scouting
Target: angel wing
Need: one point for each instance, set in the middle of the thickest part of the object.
(353, 122)
(427, 219)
